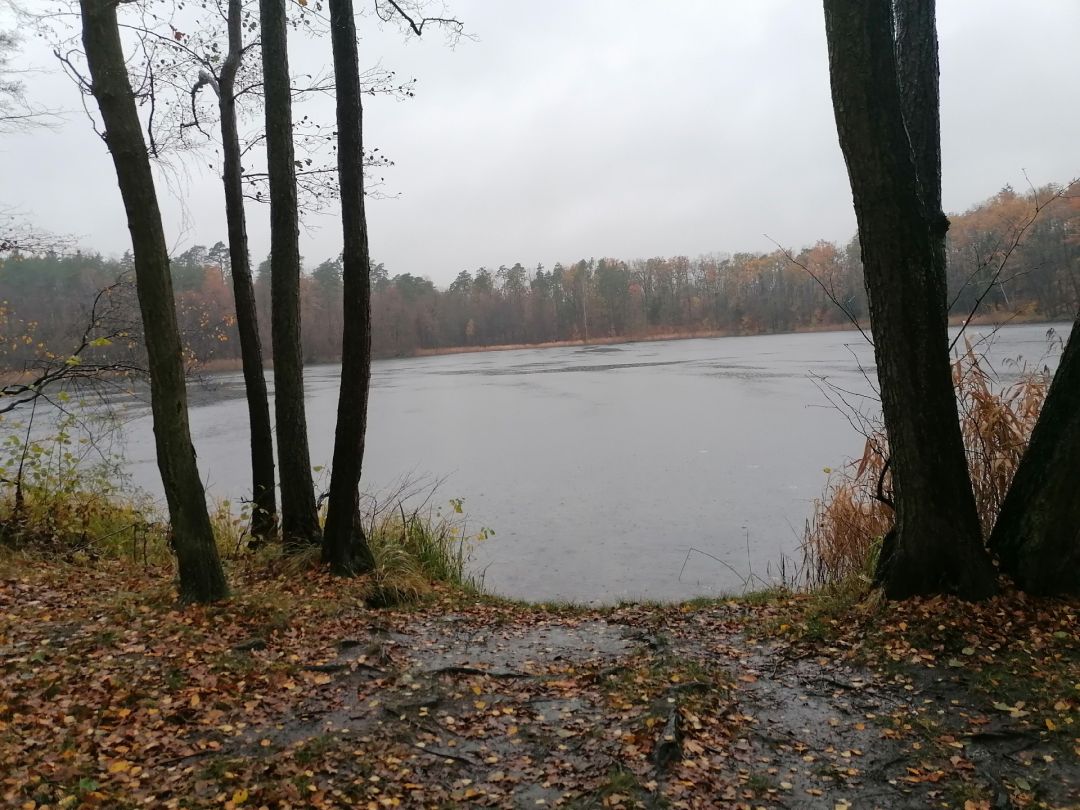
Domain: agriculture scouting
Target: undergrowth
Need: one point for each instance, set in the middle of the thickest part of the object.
(60, 503)
(843, 536)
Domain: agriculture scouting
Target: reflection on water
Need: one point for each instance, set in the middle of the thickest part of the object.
(600, 468)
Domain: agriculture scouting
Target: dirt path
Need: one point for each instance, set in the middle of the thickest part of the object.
(297, 694)
(654, 708)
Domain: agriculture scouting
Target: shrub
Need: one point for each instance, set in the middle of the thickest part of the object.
(60, 490)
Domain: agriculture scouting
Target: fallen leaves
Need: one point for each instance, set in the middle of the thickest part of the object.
(295, 694)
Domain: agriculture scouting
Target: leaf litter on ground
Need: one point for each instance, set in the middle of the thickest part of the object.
(295, 693)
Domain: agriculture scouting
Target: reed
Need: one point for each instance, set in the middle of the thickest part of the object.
(997, 415)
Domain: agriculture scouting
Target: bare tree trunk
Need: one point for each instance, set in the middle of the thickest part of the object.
(201, 575)
(917, 71)
(935, 545)
(299, 517)
(1037, 534)
(344, 546)
(264, 499)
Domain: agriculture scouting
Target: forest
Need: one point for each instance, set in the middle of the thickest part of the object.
(1016, 251)
(310, 640)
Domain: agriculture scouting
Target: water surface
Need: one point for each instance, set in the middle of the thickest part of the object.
(600, 468)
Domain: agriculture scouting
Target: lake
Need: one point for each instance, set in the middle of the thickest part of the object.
(600, 468)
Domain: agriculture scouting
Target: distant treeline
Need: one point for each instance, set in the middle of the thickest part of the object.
(46, 298)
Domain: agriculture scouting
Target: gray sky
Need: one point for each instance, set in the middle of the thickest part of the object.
(597, 128)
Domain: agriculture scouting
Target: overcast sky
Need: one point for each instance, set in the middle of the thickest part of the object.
(571, 129)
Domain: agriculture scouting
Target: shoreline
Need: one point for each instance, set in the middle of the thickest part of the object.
(1018, 319)
(234, 364)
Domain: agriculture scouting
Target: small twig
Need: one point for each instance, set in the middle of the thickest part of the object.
(467, 670)
(828, 292)
(438, 752)
(727, 565)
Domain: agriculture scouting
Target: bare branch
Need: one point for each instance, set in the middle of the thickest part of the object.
(828, 291)
(1018, 237)
(417, 22)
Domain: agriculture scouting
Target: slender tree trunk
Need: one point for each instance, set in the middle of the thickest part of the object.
(201, 575)
(344, 546)
(264, 499)
(1037, 534)
(299, 517)
(935, 545)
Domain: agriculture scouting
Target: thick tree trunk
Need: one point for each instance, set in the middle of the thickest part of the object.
(264, 499)
(201, 575)
(299, 517)
(917, 72)
(1037, 534)
(935, 546)
(344, 546)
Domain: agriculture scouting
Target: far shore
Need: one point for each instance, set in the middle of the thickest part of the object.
(990, 319)
(232, 364)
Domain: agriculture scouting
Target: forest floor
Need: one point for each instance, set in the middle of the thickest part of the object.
(296, 693)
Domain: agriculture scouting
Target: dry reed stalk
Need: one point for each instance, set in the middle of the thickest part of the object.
(997, 416)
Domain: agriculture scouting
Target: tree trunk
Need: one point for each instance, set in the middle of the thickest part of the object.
(344, 546)
(935, 545)
(917, 72)
(201, 575)
(299, 517)
(264, 499)
(1037, 534)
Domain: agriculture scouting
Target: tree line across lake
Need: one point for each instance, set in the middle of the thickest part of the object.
(46, 295)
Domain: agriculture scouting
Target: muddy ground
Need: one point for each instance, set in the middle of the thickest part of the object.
(296, 693)
(659, 708)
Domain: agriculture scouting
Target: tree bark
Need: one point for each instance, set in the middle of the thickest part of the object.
(200, 573)
(344, 546)
(1037, 534)
(935, 545)
(917, 72)
(264, 498)
(299, 517)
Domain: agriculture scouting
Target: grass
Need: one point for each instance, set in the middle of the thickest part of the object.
(415, 552)
(65, 499)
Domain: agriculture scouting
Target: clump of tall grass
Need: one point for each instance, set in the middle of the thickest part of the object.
(843, 537)
(417, 545)
(415, 549)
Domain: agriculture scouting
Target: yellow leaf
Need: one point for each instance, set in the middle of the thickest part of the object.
(239, 797)
(1051, 725)
(120, 766)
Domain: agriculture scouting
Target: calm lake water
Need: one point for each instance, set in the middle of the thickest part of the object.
(599, 468)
